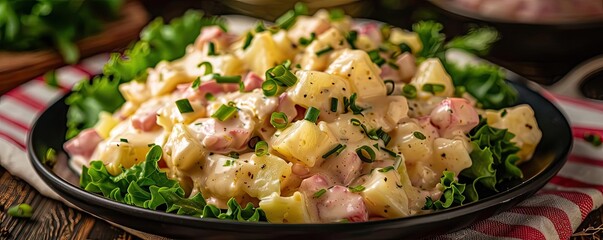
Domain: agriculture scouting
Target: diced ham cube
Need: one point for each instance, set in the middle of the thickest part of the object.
(371, 30)
(344, 168)
(252, 81)
(224, 137)
(453, 116)
(339, 203)
(407, 66)
(213, 34)
(145, 121)
(83, 144)
(287, 106)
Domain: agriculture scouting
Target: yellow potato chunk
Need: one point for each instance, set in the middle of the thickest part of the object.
(432, 72)
(285, 209)
(303, 142)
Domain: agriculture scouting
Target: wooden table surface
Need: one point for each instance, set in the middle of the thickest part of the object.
(54, 220)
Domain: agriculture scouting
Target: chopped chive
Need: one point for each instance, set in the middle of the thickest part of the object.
(409, 91)
(312, 114)
(241, 86)
(224, 112)
(227, 79)
(261, 148)
(50, 159)
(282, 75)
(419, 135)
(351, 38)
(336, 150)
(593, 138)
(228, 163)
(343, 220)
(259, 27)
(503, 113)
(286, 20)
(287, 64)
(123, 140)
(324, 50)
(356, 189)
(334, 103)
(386, 169)
(300, 8)
(386, 31)
(355, 108)
(211, 51)
(355, 122)
(150, 144)
(319, 193)
(390, 152)
(404, 48)
(209, 97)
(184, 106)
(208, 68)
(433, 88)
(298, 66)
(393, 65)
(459, 91)
(372, 134)
(390, 90)
(248, 39)
(270, 87)
(346, 104)
(279, 120)
(305, 41)
(253, 141)
(234, 155)
(196, 83)
(376, 57)
(336, 14)
(366, 154)
(383, 136)
(22, 210)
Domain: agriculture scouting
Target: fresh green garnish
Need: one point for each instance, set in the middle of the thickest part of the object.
(248, 39)
(351, 38)
(366, 154)
(208, 67)
(270, 88)
(261, 148)
(433, 88)
(593, 138)
(227, 79)
(211, 49)
(279, 120)
(50, 159)
(224, 112)
(336, 150)
(312, 114)
(356, 189)
(184, 106)
(334, 104)
(351, 105)
(209, 97)
(145, 186)
(319, 193)
(22, 210)
(305, 41)
(324, 51)
(282, 75)
(288, 19)
(452, 194)
(376, 57)
(386, 169)
(336, 14)
(123, 140)
(228, 163)
(409, 91)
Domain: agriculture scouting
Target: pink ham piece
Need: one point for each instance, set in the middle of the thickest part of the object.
(454, 115)
(429, 129)
(344, 168)
(214, 34)
(406, 69)
(83, 144)
(223, 137)
(145, 122)
(252, 81)
(371, 30)
(206, 87)
(286, 106)
(336, 204)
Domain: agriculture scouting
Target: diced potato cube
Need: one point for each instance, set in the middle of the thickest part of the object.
(263, 53)
(183, 151)
(519, 120)
(262, 176)
(432, 72)
(291, 209)
(413, 148)
(384, 195)
(315, 89)
(222, 181)
(303, 142)
(411, 39)
(357, 67)
(105, 124)
(164, 78)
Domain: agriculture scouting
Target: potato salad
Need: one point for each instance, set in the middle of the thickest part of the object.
(314, 119)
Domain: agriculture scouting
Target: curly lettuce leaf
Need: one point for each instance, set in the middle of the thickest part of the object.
(484, 81)
(158, 41)
(452, 194)
(145, 186)
(493, 159)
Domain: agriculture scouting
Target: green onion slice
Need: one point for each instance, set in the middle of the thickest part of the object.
(336, 14)
(184, 106)
(386, 169)
(22, 210)
(196, 83)
(253, 141)
(212, 49)
(208, 68)
(391, 87)
(351, 38)
(355, 122)
(279, 120)
(336, 150)
(319, 193)
(248, 39)
(390, 152)
(376, 57)
(433, 88)
(281, 74)
(366, 154)
(209, 97)
(270, 87)
(306, 41)
(404, 48)
(261, 148)
(334, 103)
(287, 64)
(123, 140)
(324, 51)
(356, 189)
(409, 91)
(383, 136)
(227, 79)
(355, 108)
(312, 114)
(225, 112)
(386, 31)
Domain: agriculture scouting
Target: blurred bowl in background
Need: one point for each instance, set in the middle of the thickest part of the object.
(542, 51)
(271, 9)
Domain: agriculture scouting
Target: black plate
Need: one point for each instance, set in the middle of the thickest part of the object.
(49, 131)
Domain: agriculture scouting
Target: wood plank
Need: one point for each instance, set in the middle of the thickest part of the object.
(51, 219)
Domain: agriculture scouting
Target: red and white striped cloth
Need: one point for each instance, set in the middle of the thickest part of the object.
(553, 213)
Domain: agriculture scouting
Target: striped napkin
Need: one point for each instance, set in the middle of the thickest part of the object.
(553, 213)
